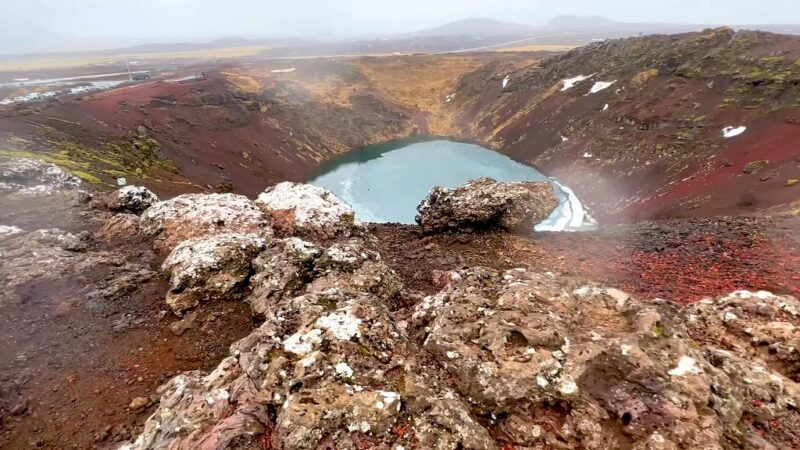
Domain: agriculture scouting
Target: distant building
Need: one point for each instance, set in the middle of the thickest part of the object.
(142, 76)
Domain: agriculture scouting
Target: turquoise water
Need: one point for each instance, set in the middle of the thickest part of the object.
(385, 183)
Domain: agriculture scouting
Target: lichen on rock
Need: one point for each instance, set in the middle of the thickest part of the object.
(210, 268)
(132, 199)
(304, 208)
(195, 215)
(486, 203)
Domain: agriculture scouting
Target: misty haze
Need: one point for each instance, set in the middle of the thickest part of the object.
(351, 224)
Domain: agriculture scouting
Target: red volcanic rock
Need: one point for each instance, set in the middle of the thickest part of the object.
(196, 215)
(486, 203)
(303, 208)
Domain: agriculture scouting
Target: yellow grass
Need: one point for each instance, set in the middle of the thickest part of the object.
(33, 62)
(538, 48)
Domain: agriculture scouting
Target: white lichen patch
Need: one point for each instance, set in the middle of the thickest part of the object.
(312, 206)
(343, 325)
(217, 395)
(303, 343)
(686, 366)
(567, 387)
(203, 213)
(343, 370)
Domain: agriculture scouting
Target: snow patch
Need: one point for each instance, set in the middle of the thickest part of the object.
(729, 132)
(569, 83)
(600, 86)
(289, 70)
(506, 80)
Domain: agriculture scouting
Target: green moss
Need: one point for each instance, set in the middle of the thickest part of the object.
(364, 351)
(85, 176)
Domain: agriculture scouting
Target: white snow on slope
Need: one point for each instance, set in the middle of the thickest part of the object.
(289, 70)
(600, 86)
(506, 80)
(569, 83)
(574, 217)
(729, 132)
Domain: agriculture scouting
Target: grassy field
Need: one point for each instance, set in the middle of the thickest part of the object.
(37, 62)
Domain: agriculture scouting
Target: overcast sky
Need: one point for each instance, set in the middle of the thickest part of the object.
(55, 24)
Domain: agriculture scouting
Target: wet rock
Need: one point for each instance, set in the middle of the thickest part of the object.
(197, 215)
(486, 203)
(210, 268)
(132, 199)
(319, 361)
(303, 208)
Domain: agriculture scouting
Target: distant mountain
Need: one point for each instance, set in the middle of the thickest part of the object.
(477, 27)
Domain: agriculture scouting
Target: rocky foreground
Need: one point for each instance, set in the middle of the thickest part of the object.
(520, 358)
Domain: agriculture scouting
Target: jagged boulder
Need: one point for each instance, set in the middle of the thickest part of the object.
(754, 324)
(210, 268)
(303, 208)
(625, 373)
(195, 215)
(486, 203)
(292, 267)
(514, 359)
(132, 199)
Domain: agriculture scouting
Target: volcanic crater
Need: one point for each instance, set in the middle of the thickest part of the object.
(635, 127)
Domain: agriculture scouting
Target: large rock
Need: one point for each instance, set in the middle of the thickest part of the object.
(132, 199)
(303, 208)
(625, 374)
(486, 203)
(195, 215)
(292, 267)
(210, 268)
(513, 359)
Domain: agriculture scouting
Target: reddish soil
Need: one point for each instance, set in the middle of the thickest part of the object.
(680, 260)
(69, 370)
